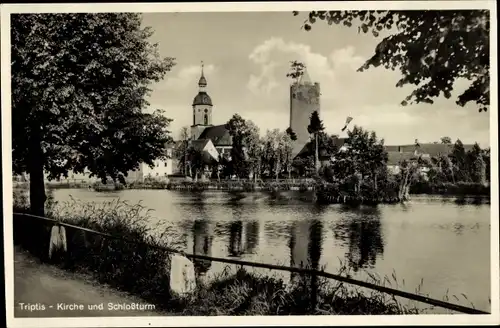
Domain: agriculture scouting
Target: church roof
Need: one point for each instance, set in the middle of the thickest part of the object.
(218, 134)
(199, 144)
(202, 98)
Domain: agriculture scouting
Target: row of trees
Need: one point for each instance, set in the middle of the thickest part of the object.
(460, 165)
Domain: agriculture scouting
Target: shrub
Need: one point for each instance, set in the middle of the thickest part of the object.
(448, 188)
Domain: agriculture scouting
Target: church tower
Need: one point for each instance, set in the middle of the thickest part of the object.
(202, 108)
(304, 100)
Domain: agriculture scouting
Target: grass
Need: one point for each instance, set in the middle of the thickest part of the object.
(143, 270)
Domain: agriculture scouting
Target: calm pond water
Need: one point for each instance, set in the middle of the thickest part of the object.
(431, 239)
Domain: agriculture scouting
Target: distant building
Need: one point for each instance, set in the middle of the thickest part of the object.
(161, 169)
(432, 149)
(304, 100)
(399, 153)
(324, 157)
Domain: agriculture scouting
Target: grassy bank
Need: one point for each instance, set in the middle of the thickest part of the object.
(144, 271)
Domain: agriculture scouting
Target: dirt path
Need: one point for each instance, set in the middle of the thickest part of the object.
(47, 291)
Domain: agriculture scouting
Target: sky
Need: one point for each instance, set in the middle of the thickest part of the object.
(246, 57)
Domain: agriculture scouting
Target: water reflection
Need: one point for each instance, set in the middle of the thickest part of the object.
(360, 229)
(243, 236)
(306, 238)
(202, 245)
(235, 238)
(252, 240)
(202, 235)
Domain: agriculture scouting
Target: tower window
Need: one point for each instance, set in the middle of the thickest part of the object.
(206, 110)
(206, 119)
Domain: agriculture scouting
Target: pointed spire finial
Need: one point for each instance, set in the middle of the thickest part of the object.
(202, 82)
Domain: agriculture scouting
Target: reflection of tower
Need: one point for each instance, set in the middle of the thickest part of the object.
(202, 108)
(304, 100)
(305, 245)
(202, 245)
(299, 244)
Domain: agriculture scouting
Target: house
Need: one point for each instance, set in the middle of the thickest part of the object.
(162, 168)
(395, 158)
(399, 153)
(431, 149)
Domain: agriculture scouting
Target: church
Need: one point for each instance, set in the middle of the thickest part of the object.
(213, 140)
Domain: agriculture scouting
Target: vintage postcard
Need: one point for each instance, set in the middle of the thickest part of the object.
(226, 164)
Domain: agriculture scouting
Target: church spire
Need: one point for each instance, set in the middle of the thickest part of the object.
(202, 83)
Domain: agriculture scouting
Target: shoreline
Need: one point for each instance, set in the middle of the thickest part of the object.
(245, 186)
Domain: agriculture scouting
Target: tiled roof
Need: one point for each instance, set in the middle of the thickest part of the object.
(306, 151)
(199, 144)
(339, 142)
(218, 134)
(395, 157)
(433, 149)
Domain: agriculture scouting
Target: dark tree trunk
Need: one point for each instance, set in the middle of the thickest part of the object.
(40, 233)
(37, 186)
(316, 154)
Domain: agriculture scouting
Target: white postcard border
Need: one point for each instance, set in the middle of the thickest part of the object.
(6, 10)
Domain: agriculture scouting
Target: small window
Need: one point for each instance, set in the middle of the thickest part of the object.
(206, 119)
(206, 110)
(165, 164)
